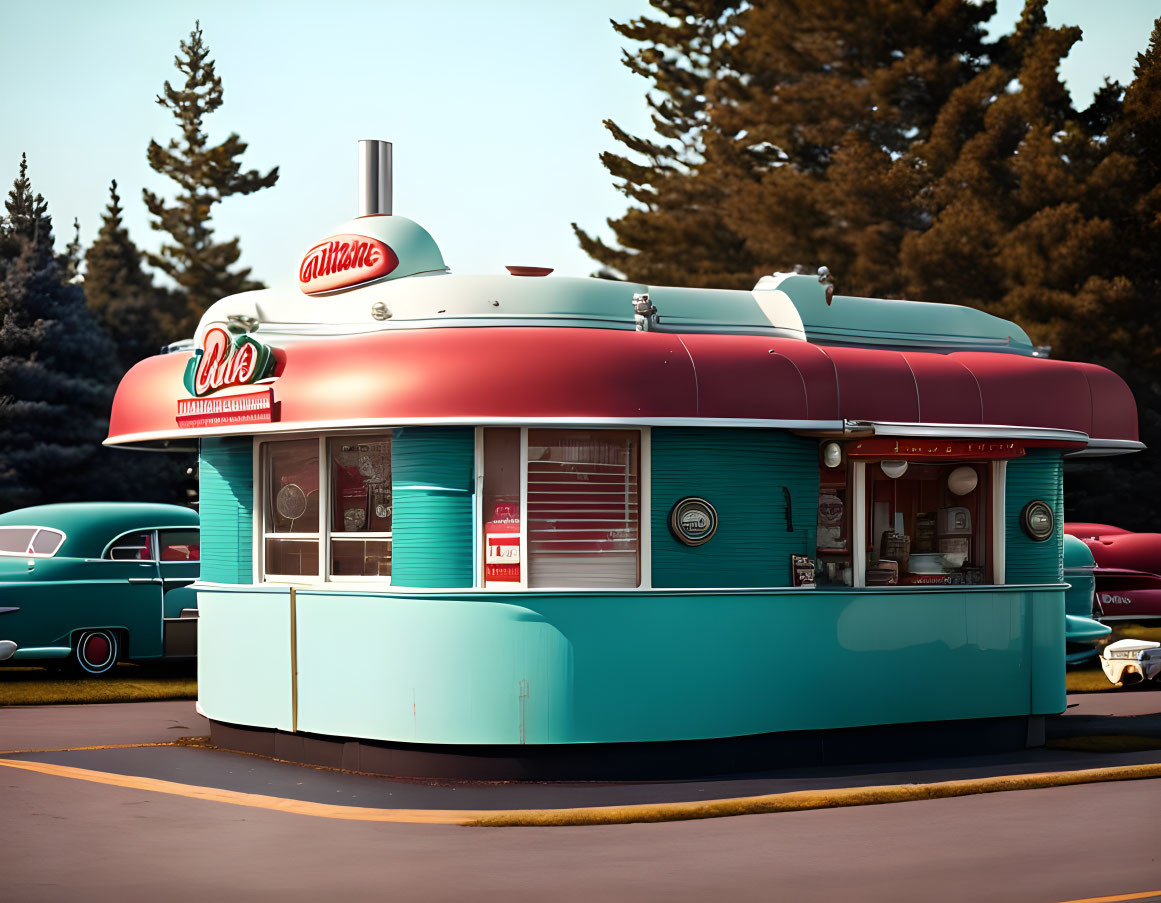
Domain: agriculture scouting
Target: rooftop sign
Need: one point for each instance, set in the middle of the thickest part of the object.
(344, 261)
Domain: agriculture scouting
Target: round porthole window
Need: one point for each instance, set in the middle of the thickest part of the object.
(693, 521)
(1037, 520)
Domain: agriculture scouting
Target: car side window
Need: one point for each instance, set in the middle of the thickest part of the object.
(180, 545)
(132, 547)
(46, 542)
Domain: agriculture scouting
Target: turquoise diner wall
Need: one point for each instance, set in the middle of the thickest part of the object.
(742, 474)
(432, 526)
(226, 508)
(1039, 475)
(473, 668)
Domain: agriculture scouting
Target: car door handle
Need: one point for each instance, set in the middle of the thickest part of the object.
(144, 579)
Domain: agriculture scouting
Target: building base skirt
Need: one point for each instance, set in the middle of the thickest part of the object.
(669, 760)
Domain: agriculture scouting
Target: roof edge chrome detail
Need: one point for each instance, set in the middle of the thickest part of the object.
(248, 429)
(975, 431)
(1107, 448)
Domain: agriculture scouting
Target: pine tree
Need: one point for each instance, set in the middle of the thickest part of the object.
(1124, 332)
(70, 260)
(205, 175)
(792, 117)
(136, 314)
(1011, 231)
(677, 235)
(56, 368)
(27, 227)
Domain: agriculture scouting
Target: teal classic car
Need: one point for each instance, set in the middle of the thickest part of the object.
(92, 583)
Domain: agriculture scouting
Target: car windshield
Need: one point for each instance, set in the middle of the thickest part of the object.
(29, 541)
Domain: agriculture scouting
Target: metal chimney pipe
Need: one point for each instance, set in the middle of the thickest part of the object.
(374, 177)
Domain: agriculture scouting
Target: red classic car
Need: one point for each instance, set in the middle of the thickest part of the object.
(1128, 570)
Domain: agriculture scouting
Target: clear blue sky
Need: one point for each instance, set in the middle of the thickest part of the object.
(495, 111)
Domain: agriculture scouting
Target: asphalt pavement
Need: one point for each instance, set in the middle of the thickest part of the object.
(72, 737)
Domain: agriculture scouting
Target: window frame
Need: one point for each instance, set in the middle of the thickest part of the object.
(994, 535)
(645, 507)
(36, 531)
(158, 535)
(325, 533)
(152, 531)
(351, 536)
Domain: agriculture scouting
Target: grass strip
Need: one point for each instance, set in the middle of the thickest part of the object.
(109, 689)
(1088, 680)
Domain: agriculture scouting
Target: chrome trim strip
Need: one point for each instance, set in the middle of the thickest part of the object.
(496, 595)
(880, 428)
(1106, 448)
(34, 652)
(247, 429)
(970, 430)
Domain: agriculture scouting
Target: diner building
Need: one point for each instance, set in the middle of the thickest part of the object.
(450, 519)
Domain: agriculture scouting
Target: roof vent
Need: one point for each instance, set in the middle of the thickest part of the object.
(374, 178)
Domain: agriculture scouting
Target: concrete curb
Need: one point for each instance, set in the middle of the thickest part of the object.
(795, 801)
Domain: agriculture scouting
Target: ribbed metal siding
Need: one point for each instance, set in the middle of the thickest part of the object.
(431, 480)
(1039, 475)
(227, 509)
(742, 474)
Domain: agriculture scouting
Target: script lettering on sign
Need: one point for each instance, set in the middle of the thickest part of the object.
(344, 261)
(225, 359)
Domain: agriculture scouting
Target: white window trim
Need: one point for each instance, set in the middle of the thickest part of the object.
(859, 525)
(324, 534)
(999, 523)
(998, 475)
(645, 508)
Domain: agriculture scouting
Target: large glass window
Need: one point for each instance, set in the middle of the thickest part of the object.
(328, 522)
(360, 486)
(290, 507)
(927, 522)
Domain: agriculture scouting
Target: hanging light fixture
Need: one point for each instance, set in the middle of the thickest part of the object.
(962, 480)
(893, 469)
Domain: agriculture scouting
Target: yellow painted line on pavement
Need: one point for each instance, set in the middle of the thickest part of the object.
(252, 800)
(180, 742)
(794, 801)
(1118, 897)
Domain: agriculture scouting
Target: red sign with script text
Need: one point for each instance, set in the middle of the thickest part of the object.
(936, 448)
(343, 261)
(226, 410)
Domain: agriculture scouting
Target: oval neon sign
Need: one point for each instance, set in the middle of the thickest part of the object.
(344, 261)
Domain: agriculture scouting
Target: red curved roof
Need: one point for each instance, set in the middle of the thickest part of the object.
(495, 373)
